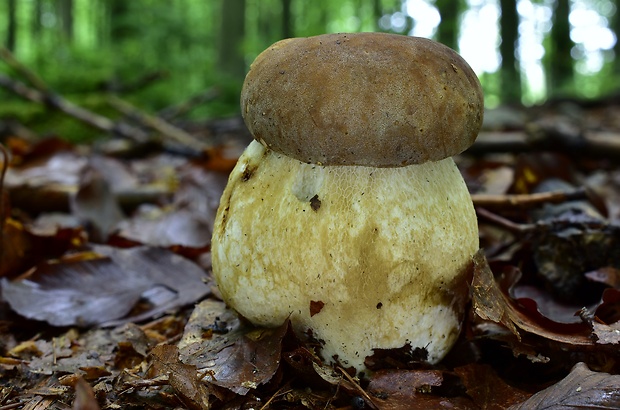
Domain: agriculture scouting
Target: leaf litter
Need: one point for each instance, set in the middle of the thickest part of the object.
(108, 302)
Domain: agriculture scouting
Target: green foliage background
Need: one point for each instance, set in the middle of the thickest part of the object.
(85, 49)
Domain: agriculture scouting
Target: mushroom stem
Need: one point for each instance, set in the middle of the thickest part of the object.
(363, 257)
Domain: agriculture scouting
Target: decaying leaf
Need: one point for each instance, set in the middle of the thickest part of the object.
(105, 289)
(607, 334)
(487, 389)
(491, 301)
(229, 353)
(84, 396)
(581, 389)
(413, 389)
(182, 377)
(94, 203)
(167, 227)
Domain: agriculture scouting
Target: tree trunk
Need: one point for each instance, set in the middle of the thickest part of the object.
(509, 32)
(559, 61)
(11, 25)
(377, 10)
(615, 26)
(36, 21)
(287, 19)
(65, 14)
(119, 28)
(232, 30)
(448, 30)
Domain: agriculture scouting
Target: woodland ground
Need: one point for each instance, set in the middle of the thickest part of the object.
(107, 298)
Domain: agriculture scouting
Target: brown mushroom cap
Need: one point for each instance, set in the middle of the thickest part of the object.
(370, 99)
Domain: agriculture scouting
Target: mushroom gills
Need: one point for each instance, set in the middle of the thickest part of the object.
(383, 257)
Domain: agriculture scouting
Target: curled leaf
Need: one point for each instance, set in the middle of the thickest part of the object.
(581, 389)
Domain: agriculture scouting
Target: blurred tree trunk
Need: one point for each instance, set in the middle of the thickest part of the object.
(232, 31)
(118, 10)
(509, 33)
(64, 10)
(559, 61)
(11, 25)
(36, 21)
(287, 19)
(377, 10)
(448, 30)
(615, 26)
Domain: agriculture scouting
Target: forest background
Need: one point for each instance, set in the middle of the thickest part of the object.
(156, 54)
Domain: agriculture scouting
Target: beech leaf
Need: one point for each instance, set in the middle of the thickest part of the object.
(229, 353)
(492, 302)
(581, 389)
(103, 290)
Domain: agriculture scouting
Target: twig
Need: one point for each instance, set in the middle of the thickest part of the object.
(11, 406)
(14, 128)
(177, 110)
(3, 169)
(527, 200)
(369, 401)
(16, 65)
(158, 124)
(502, 222)
(273, 396)
(600, 144)
(75, 111)
(137, 84)
(162, 380)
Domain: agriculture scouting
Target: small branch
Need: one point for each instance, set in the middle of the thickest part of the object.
(9, 127)
(158, 124)
(11, 406)
(504, 223)
(599, 144)
(369, 401)
(527, 200)
(144, 81)
(177, 110)
(17, 66)
(75, 111)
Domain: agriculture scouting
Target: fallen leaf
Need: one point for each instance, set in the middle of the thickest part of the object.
(412, 390)
(491, 301)
(166, 227)
(487, 389)
(95, 204)
(609, 309)
(182, 377)
(104, 290)
(581, 389)
(606, 334)
(84, 396)
(228, 352)
(608, 275)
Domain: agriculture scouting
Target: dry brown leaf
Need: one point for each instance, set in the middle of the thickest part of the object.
(492, 302)
(487, 389)
(182, 377)
(104, 290)
(231, 354)
(84, 396)
(413, 390)
(581, 389)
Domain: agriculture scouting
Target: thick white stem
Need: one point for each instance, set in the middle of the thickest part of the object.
(362, 257)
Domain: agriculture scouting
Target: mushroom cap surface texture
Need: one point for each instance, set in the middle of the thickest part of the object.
(372, 99)
(364, 258)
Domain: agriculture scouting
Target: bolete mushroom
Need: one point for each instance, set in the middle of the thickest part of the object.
(348, 214)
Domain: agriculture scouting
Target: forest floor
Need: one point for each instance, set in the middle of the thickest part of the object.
(107, 299)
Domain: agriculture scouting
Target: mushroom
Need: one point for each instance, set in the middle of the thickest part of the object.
(347, 213)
